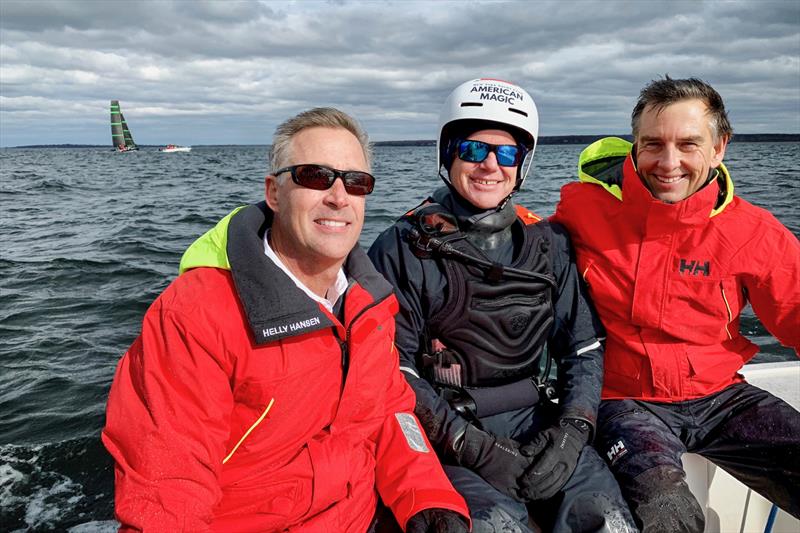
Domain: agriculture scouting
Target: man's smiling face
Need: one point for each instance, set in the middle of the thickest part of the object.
(676, 149)
(484, 184)
(317, 228)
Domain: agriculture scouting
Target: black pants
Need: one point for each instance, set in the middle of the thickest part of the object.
(590, 501)
(746, 431)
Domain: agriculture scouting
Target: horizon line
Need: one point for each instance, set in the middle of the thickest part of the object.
(544, 139)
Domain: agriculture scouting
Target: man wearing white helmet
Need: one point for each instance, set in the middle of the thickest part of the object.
(488, 294)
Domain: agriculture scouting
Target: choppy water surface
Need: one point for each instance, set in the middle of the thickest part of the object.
(90, 237)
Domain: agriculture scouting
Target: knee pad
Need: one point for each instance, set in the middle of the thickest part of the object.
(661, 501)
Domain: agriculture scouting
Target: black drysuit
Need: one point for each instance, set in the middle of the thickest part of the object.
(591, 499)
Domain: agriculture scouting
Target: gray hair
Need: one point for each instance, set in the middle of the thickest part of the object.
(662, 93)
(318, 117)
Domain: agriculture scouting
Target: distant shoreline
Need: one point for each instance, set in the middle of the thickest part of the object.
(589, 139)
(552, 139)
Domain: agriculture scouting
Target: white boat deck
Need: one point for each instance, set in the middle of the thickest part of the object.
(729, 505)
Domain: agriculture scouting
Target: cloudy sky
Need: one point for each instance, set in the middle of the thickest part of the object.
(226, 72)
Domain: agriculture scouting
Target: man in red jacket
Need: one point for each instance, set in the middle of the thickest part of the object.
(263, 393)
(671, 257)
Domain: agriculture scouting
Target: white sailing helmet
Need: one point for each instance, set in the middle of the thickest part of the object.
(494, 101)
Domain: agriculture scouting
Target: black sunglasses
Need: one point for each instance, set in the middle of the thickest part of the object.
(508, 155)
(321, 178)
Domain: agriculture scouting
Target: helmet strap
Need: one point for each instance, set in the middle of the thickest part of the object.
(506, 200)
(446, 179)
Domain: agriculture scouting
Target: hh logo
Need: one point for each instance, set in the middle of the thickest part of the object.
(695, 267)
(616, 451)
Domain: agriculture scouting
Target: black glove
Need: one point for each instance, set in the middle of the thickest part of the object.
(497, 460)
(554, 453)
(437, 521)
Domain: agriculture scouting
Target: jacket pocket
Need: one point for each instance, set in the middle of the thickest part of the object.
(248, 431)
(622, 372)
(732, 297)
(713, 368)
(337, 461)
(329, 461)
(697, 310)
(260, 497)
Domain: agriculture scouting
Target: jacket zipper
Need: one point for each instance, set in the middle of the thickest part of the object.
(345, 362)
(728, 307)
(246, 433)
(343, 342)
(634, 411)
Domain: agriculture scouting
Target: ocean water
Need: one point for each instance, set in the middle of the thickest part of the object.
(90, 237)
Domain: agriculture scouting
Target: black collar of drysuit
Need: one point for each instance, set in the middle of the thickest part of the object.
(471, 218)
(488, 229)
(275, 307)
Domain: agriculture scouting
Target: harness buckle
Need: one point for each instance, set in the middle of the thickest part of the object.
(446, 370)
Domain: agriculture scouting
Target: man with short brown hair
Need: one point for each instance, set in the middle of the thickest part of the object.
(671, 257)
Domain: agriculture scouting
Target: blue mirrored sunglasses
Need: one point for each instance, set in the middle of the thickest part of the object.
(508, 155)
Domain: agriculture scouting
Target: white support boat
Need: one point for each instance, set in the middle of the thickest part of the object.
(175, 148)
(729, 505)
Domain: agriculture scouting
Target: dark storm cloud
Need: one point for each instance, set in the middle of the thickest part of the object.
(227, 72)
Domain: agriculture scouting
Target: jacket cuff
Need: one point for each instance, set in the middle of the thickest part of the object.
(581, 414)
(412, 503)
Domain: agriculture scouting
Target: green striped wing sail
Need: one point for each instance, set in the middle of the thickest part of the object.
(120, 134)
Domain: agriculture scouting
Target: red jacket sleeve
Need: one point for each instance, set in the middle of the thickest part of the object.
(774, 288)
(409, 476)
(166, 426)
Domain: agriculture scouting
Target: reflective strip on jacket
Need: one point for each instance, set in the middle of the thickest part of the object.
(670, 280)
(230, 412)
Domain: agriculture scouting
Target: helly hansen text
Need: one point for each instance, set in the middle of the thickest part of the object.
(294, 326)
(695, 267)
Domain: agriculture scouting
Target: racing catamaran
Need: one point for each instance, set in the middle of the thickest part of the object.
(121, 137)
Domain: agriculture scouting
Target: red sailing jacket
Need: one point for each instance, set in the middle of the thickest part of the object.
(230, 411)
(669, 281)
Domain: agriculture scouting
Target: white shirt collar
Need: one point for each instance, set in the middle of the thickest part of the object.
(331, 296)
